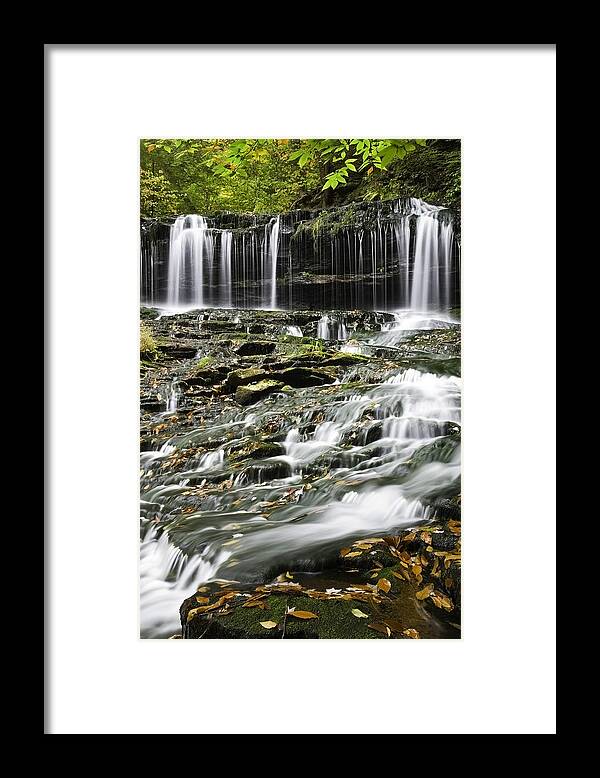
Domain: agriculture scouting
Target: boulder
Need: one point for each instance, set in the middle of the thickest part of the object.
(255, 347)
(242, 377)
(251, 393)
(304, 376)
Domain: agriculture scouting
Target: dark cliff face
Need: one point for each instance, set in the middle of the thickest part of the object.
(360, 255)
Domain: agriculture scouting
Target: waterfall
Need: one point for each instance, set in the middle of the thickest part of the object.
(431, 271)
(270, 251)
(383, 256)
(226, 267)
(190, 244)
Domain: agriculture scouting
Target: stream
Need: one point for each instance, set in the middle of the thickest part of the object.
(365, 455)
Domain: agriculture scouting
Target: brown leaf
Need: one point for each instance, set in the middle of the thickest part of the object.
(384, 585)
(303, 615)
(378, 627)
(344, 552)
(203, 599)
(425, 536)
(441, 601)
(394, 625)
(425, 592)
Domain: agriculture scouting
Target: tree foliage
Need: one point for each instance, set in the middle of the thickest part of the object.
(258, 174)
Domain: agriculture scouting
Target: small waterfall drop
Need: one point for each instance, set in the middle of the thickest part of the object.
(331, 328)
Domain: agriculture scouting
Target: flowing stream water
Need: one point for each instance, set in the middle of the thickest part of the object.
(359, 458)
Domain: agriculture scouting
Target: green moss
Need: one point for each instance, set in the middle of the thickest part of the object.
(335, 619)
(148, 347)
(204, 362)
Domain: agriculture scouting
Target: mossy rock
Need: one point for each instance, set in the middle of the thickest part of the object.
(261, 449)
(298, 377)
(343, 360)
(249, 375)
(252, 393)
(255, 348)
(334, 620)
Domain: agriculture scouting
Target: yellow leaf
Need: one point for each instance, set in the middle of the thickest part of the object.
(417, 570)
(268, 624)
(353, 553)
(425, 592)
(384, 585)
(411, 633)
(303, 614)
(202, 600)
(359, 614)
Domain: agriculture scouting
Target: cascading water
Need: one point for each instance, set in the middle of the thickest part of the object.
(408, 256)
(295, 508)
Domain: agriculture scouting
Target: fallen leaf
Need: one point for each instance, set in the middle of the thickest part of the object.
(344, 552)
(202, 599)
(359, 614)
(384, 585)
(394, 625)
(441, 601)
(353, 553)
(411, 633)
(425, 537)
(425, 592)
(268, 624)
(417, 569)
(303, 614)
(380, 628)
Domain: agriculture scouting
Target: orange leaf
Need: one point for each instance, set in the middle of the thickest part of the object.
(384, 585)
(303, 614)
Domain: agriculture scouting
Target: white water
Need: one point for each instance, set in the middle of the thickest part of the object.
(270, 252)
(293, 330)
(190, 248)
(225, 280)
(331, 328)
